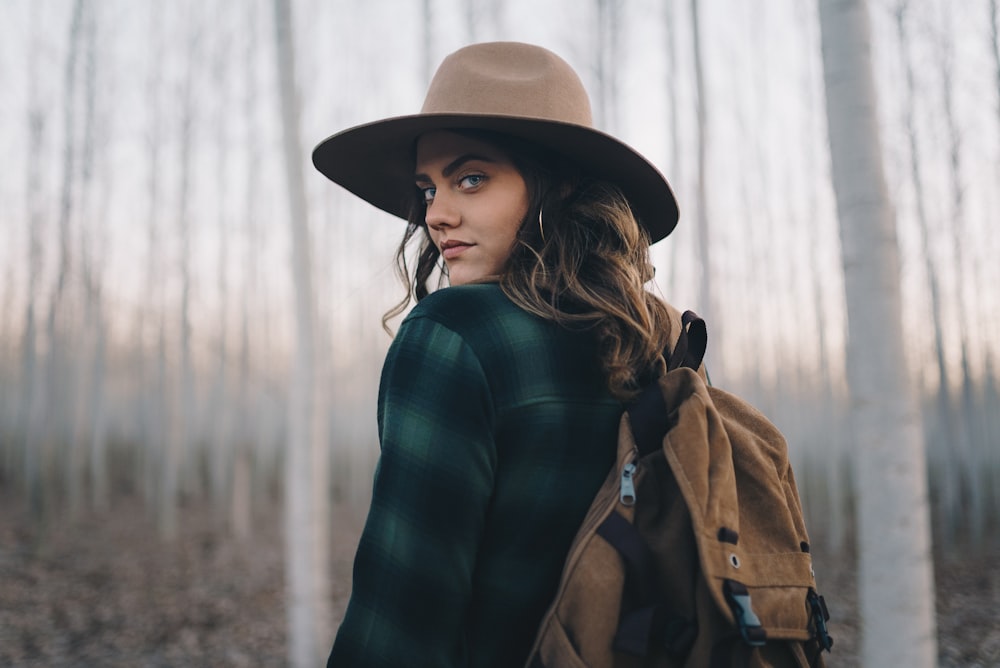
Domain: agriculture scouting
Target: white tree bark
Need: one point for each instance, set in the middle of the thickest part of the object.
(948, 436)
(30, 373)
(995, 44)
(832, 515)
(607, 59)
(427, 28)
(471, 20)
(59, 377)
(240, 502)
(221, 445)
(705, 298)
(668, 252)
(991, 395)
(972, 439)
(149, 382)
(306, 493)
(178, 459)
(83, 336)
(92, 416)
(100, 486)
(484, 20)
(185, 428)
(895, 579)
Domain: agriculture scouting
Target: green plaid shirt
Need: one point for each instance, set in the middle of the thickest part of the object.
(496, 429)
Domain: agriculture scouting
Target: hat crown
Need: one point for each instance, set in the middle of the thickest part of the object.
(508, 79)
(508, 88)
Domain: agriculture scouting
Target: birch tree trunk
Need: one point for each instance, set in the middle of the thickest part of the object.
(674, 149)
(59, 381)
(484, 13)
(306, 512)
(945, 444)
(471, 20)
(177, 453)
(30, 376)
(220, 456)
(100, 486)
(92, 420)
(184, 429)
(995, 44)
(991, 395)
(10, 408)
(149, 380)
(85, 338)
(834, 517)
(705, 301)
(973, 443)
(895, 578)
(607, 59)
(240, 489)
(427, 27)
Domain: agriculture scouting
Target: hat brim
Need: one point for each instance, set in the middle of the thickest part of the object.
(375, 161)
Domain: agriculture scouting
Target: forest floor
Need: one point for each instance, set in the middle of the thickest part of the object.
(107, 591)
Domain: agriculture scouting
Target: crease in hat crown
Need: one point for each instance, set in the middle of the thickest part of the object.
(509, 79)
(511, 88)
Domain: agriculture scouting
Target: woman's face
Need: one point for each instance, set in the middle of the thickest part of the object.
(476, 200)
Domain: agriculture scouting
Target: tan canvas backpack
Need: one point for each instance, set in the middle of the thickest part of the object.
(694, 552)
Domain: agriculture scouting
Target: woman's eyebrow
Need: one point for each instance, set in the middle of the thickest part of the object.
(455, 165)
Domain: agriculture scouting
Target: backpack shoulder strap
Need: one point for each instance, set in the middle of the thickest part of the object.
(691, 344)
(650, 417)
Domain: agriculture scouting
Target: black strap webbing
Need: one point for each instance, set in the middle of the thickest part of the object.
(729, 652)
(820, 616)
(639, 604)
(640, 565)
(648, 414)
(691, 344)
(649, 419)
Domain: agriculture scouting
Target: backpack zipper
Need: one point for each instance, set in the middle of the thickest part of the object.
(627, 495)
(602, 506)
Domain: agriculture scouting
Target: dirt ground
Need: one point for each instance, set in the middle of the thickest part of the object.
(106, 591)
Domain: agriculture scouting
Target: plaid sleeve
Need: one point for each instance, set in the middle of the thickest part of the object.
(413, 569)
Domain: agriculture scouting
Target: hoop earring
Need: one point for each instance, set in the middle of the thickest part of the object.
(541, 228)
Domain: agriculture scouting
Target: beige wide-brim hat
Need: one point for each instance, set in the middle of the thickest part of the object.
(508, 87)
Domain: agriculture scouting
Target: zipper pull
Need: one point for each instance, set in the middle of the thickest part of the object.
(627, 496)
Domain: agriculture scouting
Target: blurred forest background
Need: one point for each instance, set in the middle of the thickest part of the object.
(148, 314)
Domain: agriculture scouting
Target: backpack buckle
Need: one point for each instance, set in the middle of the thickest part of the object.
(749, 625)
(820, 616)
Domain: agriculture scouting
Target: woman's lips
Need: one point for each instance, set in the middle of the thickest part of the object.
(453, 249)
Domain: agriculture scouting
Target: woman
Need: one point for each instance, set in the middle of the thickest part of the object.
(501, 395)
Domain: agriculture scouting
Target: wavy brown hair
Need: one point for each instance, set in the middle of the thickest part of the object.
(586, 270)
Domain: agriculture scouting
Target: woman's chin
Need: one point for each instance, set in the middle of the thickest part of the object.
(463, 273)
(459, 275)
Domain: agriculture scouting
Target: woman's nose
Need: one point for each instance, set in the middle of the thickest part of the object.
(441, 212)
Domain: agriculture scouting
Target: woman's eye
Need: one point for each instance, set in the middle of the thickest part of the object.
(428, 194)
(472, 180)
